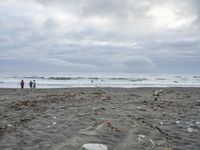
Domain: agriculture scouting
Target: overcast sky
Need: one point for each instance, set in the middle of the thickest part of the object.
(161, 36)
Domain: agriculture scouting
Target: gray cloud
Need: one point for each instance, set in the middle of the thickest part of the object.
(100, 35)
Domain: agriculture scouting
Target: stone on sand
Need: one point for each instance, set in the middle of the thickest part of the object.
(94, 146)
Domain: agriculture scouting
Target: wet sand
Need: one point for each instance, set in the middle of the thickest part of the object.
(118, 118)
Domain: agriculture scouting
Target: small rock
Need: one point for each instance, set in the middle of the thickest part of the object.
(94, 146)
(177, 122)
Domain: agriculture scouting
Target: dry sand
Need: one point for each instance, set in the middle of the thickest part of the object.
(121, 119)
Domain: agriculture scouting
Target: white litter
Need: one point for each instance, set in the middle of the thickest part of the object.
(152, 142)
(9, 125)
(140, 140)
(190, 130)
(177, 122)
(94, 146)
(158, 92)
(54, 123)
(161, 122)
(142, 136)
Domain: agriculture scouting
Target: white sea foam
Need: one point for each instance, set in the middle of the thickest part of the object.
(62, 80)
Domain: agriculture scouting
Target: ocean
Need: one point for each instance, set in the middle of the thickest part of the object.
(125, 80)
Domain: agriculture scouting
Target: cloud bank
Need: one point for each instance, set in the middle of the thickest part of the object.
(100, 35)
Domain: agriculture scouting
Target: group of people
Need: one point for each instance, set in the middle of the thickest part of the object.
(32, 84)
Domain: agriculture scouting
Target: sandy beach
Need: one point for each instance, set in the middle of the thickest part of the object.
(118, 118)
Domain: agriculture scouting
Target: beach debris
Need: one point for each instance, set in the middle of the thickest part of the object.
(197, 122)
(54, 117)
(153, 144)
(48, 126)
(177, 122)
(105, 98)
(197, 102)
(54, 123)
(109, 125)
(139, 139)
(140, 108)
(94, 146)
(142, 136)
(190, 130)
(9, 125)
(83, 114)
(157, 93)
(161, 122)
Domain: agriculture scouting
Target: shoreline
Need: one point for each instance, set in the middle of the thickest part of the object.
(120, 118)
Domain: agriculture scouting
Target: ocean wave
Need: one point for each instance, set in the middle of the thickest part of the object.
(161, 79)
(138, 79)
(65, 78)
(30, 77)
(178, 77)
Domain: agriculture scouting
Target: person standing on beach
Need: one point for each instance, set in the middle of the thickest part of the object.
(31, 84)
(22, 84)
(34, 84)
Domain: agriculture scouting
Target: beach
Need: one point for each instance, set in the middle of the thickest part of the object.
(118, 118)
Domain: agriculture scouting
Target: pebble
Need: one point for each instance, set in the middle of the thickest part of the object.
(94, 146)
(177, 122)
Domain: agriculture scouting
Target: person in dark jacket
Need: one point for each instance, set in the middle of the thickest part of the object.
(22, 84)
(31, 84)
(34, 84)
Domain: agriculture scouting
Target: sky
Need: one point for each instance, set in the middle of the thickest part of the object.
(129, 36)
